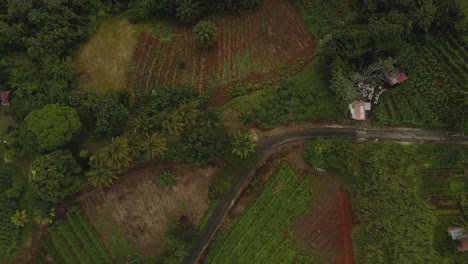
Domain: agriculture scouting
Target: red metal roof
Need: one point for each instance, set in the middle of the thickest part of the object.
(5, 97)
(359, 110)
(398, 78)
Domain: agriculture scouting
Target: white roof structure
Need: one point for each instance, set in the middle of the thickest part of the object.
(457, 233)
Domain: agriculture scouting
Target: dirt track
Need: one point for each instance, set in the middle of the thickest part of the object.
(271, 141)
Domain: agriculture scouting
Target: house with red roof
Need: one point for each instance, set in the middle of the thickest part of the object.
(5, 97)
(358, 110)
(397, 78)
(458, 233)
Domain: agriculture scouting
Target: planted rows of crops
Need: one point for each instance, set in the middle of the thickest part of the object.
(75, 241)
(429, 97)
(9, 233)
(263, 233)
(252, 45)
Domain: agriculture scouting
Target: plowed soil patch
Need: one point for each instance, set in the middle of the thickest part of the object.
(143, 209)
(256, 45)
(327, 229)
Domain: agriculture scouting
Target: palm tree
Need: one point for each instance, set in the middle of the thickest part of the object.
(101, 173)
(152, 145)
(117, 154)
(173, 124)
(142, 124)
(243, 144)
(134, 141)
(188, 11)
(20, 218)
(188, 112)
(44, 218)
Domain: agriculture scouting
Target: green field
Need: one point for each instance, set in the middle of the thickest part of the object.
(75, 241)
(264, 232)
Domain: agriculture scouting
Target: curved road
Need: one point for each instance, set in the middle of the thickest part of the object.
(267, 144)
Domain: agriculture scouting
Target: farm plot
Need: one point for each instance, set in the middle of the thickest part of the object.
(264, 233)
(256, 45)
(430, 96)
(140, 210)
(75, 241)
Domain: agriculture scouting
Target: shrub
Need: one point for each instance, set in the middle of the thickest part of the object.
(188, 11)
(205, 34)
(167, 179)
(181, 64)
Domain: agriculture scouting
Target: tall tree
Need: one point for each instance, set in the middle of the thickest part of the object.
(20, 218)
(53, 126)
(100, 173)
(243, 144)
(117, 154)
(55, 176)
(152, 145)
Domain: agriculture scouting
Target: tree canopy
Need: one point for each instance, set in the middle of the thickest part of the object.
(55, 176)
(53, 125)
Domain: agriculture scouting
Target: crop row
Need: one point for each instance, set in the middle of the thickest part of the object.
(75, 241)
(258, 235)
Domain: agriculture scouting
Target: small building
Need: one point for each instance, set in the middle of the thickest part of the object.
(5, 97)
(358, 110)
(458, 233)
(397, 78)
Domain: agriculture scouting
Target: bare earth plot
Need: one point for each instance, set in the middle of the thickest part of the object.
(327, 228)
(143, 209)
(255, 45)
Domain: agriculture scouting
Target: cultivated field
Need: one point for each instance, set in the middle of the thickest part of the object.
(256, 45)
(264, 233)
(327, 228)
(141, 209)
(75, 241)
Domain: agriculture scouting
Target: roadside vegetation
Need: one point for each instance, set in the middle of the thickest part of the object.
(396, 189)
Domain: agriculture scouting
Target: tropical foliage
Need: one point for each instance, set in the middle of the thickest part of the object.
(167, 179)
(20, 218)
(205, 34)
(53, 125)
(243, 144)
(55, 176)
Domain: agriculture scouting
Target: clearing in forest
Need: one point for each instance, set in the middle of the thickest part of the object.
(265, 231)
(258, 44)
(141, 209)
(102, 62)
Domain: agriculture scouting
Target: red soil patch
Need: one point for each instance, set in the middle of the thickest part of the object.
(143, 209)
(326, 231)
(252, 46)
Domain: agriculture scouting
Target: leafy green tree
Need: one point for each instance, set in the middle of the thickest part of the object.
(117, 154)
(343, 87)
(55, 176)
(173, 124)
(167, 179)
(53, 125)
(100, 173)
(188, 11)
(134, 143)
(44, 218)
(143, 123)
(20, 218)
(243, 144)
(205, 34)
(203, 143)
(152, 145)
(110, 115)
(188, 112)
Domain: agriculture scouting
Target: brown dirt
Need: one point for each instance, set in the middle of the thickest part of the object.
(252, 46)
(327, 229)
(143, 209)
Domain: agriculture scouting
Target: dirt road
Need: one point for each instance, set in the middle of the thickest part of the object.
(270, 141)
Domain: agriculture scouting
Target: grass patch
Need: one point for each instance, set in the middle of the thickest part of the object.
(102, 62)
(264, 234)
(113, 236)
